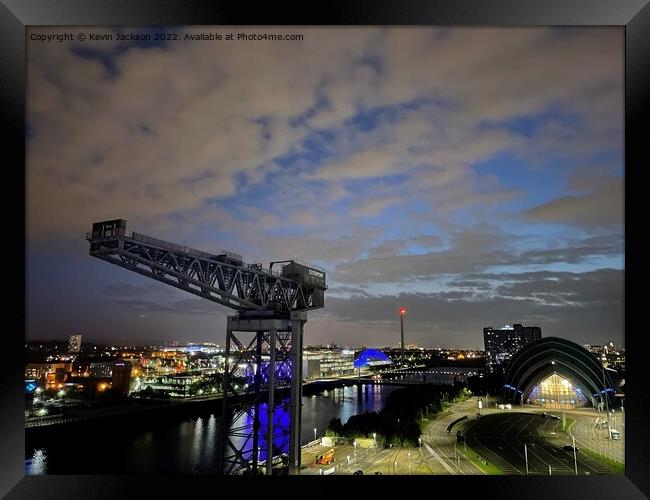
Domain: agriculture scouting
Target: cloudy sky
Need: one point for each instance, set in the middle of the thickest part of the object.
(473, 175)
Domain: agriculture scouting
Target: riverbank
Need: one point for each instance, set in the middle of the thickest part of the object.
(132, 411)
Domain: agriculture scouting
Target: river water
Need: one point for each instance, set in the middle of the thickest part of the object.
(185, 446)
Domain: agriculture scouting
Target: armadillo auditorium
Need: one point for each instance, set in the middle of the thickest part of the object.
(557, 373)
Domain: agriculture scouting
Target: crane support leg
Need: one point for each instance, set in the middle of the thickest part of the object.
(298, 320)
(268, 350)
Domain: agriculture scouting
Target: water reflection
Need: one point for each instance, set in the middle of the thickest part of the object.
(189, 446)
(197, 444)
(281, 431)
(37, 465)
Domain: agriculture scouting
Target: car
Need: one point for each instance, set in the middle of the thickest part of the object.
(568, 447)
(358, 472)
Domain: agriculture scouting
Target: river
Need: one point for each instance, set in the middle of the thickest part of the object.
(183, 446)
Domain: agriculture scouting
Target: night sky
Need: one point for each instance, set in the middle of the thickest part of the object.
(473, 175)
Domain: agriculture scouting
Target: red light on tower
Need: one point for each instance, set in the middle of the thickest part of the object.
(402, 310)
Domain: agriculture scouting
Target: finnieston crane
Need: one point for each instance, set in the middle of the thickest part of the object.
(271, 307)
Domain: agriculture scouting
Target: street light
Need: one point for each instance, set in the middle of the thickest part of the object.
(374, 439)
(420, 441)
(315, 437)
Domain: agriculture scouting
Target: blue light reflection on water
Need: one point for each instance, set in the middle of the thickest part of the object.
(189, 446)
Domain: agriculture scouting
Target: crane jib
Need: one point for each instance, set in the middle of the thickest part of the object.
(222, 278)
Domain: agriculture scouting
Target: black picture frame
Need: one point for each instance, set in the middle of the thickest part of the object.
(631, 15)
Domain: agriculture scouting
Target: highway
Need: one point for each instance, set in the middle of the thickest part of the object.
(442, 446)
(498, 436)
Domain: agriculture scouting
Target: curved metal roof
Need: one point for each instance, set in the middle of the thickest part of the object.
(539, 359)
(370, 355)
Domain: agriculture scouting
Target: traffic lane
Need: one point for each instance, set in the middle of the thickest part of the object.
(585, 424)
(509, 453)
(435, 435)
(391, 461)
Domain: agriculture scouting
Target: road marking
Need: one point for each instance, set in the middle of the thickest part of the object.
(435, 455)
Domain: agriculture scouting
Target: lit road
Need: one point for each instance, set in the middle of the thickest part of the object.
(389, 461)
(500, 436)
(442, 446)
(586, 430)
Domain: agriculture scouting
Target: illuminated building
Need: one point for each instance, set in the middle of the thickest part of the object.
(74, 343)
(557, 373)
(372, 357)
(501, 344)
(101, 369)
(177, 386)
(556, 391)
(328, 362)
(50, 373)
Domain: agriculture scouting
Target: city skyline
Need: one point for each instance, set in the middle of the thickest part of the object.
(473, 176)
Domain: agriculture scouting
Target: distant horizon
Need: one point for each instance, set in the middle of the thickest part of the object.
(159, 342)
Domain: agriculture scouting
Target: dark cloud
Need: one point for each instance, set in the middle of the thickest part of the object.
(181, 307)
(603, 206)
(472, 250)
(589, 309)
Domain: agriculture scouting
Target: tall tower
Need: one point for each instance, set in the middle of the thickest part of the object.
(402, 312)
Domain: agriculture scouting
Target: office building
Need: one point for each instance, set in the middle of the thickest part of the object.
(101, 369)
(323, 363)
(74, 343)
(501, 344)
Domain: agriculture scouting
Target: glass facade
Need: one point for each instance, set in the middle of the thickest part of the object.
(557, 392)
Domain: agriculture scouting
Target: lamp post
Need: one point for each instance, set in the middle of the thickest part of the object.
(374, 439)
(315, 437)
(575, 458)
(606, 403)
(420, 443)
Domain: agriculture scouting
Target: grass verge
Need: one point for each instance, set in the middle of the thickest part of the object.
(618, 467)
(569, 423)
(480, 462)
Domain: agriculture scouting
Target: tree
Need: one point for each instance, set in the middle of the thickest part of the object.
(334, 428)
